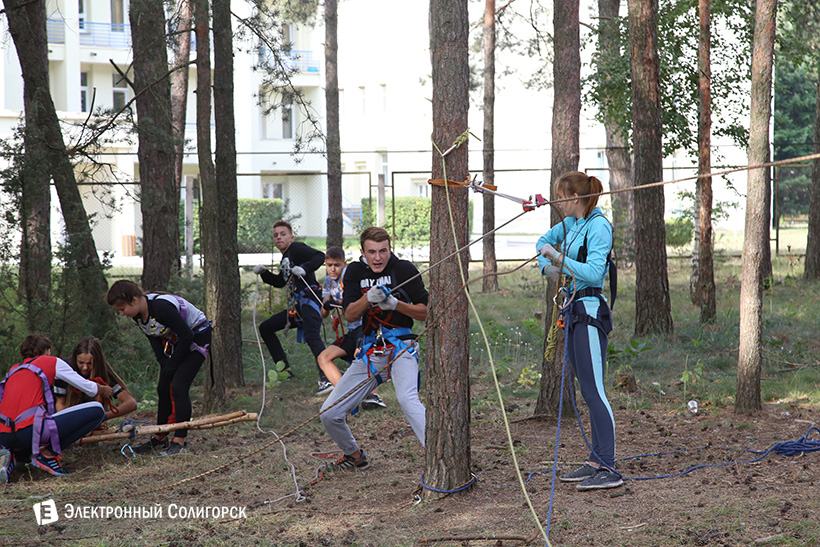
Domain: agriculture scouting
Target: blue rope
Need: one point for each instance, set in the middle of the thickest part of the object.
(459, 489)
(530, 476)
(564, 361)
(131, 422)
(784, 448)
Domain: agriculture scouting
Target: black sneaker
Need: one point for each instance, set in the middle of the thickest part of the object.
(150, 445)
(6, 466)
(175, 449)
(582, 473)
(372, 401)
(603, 478)
(325, 387)
(50, 465)
(348, 462)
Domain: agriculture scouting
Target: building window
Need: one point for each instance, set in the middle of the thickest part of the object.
(83, 91)
(120, 96)
(81, 14)
(362, 98)
(117, 16)
(287, 36)
(287, 118)
(272, 190)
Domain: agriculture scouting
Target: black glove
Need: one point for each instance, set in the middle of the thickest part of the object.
(331, 303)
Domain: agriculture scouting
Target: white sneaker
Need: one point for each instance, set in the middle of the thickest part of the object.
(325, 387)
(372, 401)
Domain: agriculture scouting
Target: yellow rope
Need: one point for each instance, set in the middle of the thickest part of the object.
(487, 343)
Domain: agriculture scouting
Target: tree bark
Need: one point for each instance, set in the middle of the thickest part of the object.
(334, 148)
(566, 152)
(209, 212)
(179, 94)
(44, 142)
(490, 282)
(813, 240)
(222, 284)
(617, 148)
(159, 199)
(755, 241)
(447, 459)
(35, 220)
(703, 267)
(652, 303)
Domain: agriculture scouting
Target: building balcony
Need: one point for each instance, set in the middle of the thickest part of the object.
(301, 61)
(111, 35)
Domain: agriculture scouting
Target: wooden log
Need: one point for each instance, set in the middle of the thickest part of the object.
(203, 423)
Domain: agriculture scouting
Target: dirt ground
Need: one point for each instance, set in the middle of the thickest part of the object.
(771, 502)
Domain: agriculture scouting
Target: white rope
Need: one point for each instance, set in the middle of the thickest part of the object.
(297, 494)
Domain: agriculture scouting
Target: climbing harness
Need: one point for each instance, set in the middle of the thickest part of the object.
(44, 427)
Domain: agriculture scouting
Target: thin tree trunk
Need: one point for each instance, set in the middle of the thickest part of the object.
(159, 199)
(86, 278)
(490, 282)
(334, 150)
(652, 303)
(566, 152)
(35, 220)
(705, 279)
(447, 459)
(755, 241)
(222, 284)
(813, 241)
(179, 95)
(215, 388)
(617, 148)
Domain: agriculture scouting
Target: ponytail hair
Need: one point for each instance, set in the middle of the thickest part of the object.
(582, 184)
(124, 291)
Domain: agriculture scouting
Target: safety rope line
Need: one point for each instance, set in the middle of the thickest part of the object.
(297, 494)
(487, 343)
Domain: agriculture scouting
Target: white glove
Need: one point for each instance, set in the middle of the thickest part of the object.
(389, 303)
(298, 271)
(548, 251)
(376, 295)
(259, 269)
(552, 272)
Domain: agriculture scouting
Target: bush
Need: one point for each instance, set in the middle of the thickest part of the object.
(413, 219)
(255, 218)
(679, 232)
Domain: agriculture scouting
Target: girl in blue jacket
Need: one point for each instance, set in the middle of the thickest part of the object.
(585, 239)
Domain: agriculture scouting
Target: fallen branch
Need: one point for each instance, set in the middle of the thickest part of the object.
(475, 538)
(203, 423)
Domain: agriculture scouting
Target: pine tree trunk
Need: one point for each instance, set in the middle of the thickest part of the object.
(705, 278)
(159, 198)
(335, 221)
(179, 93)
(209, 210)
(490, 282)
(652, 303)
(35, 220)
(222, 285)
(565, 155)
(813, 241)
(755, 241)
(447, 459)
(617, 148)
(84, 272)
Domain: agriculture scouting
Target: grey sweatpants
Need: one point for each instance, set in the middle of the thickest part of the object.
(405, 375)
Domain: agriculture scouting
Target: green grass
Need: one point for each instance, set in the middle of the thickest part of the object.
(791, 372)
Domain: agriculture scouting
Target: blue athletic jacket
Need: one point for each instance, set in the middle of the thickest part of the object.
(598, 233)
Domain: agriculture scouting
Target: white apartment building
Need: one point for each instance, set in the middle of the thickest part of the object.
(385, 114)
(86, 36)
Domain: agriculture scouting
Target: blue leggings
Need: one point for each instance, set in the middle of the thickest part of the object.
(587, 354)
(73, 424)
